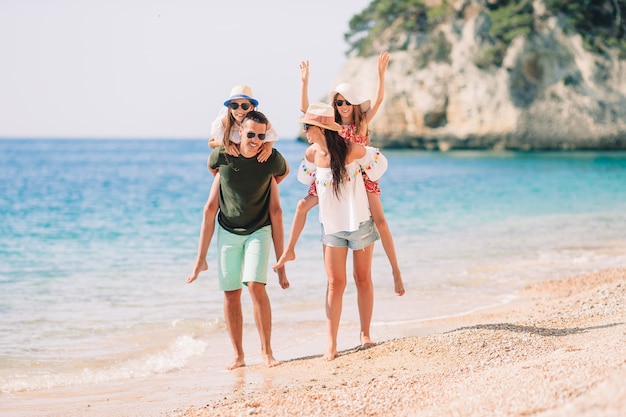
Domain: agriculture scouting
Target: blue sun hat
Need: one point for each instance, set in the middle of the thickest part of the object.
(241, 91)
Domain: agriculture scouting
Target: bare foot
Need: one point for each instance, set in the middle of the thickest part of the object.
(269, 361)
(237, 363)
(287, 256)
(398, 284)
(201, 265)
(366, 342)
(282, 278)
(330, 355)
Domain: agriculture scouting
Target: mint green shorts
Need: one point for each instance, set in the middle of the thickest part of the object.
(242, 258)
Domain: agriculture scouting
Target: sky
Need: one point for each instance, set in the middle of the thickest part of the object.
(161, 68)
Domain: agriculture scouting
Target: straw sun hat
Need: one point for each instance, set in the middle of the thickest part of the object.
(241, 91)
(320, 115)
(348, 92)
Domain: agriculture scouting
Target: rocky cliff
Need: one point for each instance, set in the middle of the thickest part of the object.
(547, 93)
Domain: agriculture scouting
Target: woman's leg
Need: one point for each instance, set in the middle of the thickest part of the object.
(378, 214)
(207, 229)
(362, 268)
(278, 231)
(335, 265)
(297, 225)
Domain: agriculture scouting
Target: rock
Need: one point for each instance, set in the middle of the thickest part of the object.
(548, 94)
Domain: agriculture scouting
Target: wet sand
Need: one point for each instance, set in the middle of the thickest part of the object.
(559, 349)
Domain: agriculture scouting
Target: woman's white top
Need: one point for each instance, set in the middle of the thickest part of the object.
(217, 130)
(344, 213)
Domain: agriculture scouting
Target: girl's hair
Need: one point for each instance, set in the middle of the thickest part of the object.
(228, 121)
(338, 149)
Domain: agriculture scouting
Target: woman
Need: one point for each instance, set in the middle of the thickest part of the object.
(354, 114)
(335, 166)
(225, 132)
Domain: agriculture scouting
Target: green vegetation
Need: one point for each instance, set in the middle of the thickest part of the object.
(408, 16)
(509, 19)
(601, 23)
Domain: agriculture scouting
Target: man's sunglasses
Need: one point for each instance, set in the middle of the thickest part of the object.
(250, 135)
(235, 106)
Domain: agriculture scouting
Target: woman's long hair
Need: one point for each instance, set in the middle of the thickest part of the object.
(338, 149)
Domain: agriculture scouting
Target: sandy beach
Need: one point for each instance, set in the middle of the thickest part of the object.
(558, 350)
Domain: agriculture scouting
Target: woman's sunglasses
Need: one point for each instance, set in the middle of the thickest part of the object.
(235, 106)
(339, 103)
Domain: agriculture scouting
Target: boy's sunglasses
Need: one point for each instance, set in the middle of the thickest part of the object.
(252, 134)
(339, 103)
(235, 106)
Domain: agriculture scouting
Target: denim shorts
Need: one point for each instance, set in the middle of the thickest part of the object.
(359, 239)
(242, 258)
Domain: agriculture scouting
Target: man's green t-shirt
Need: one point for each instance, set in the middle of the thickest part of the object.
(245, 189)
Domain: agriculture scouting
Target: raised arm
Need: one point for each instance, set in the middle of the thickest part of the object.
(304, 94)
(383, 62)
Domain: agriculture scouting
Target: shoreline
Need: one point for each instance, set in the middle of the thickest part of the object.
(557, 349)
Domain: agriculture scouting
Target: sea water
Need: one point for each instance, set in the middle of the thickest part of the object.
(97, 238)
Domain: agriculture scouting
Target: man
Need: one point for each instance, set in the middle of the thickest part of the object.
(244, 233)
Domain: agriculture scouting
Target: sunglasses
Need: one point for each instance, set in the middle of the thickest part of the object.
(250, 135)
(339, 103)
(235, 106)
(306, 127)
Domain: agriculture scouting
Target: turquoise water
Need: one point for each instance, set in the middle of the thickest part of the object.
(97, 238)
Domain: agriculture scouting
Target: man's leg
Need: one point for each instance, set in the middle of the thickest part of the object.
(256, 260)
(230, 254)
(263, 320)
(234, 322)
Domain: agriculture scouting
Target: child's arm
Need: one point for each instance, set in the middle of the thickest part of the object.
(232, 149)
(265, 151)
(383, 61)
(214, 143)
(362, 131)
(304, 94)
